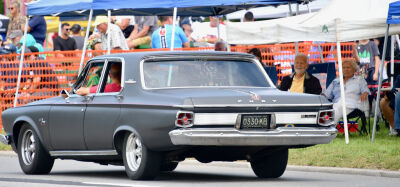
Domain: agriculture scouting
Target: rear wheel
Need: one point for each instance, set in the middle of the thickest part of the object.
(140, 162)
(270, 166)
(32, 156)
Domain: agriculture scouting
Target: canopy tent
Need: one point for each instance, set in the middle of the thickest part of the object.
(144, 7)
(273, 12)
(338, 21)
(393, 17)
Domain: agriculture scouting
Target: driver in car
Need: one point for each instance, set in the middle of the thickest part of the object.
(114, 86)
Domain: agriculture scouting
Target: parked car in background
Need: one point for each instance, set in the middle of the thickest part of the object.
(211, 106)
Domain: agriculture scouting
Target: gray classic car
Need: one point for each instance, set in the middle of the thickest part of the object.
(160, 108)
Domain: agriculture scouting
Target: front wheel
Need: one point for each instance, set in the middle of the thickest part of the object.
(270, 166)
(140, 162)
(32, 156)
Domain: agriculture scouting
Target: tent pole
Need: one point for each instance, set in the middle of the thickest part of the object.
(218, 29)
(109, 32)
(297, 9)
(86, 39)
(320, 53)
(342, 94)
(59, 26)
(380, 82)
(392, 59)
(290, 8)
(21, 62)
(173, 29)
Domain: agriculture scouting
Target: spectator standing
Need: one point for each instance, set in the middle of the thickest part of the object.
(77, 36)
(355, 88)
(37, 28)
(368, 56)
(300, 81)
(144, 28)
(161, 37)
(248, 17)
(17, 21)
(64, 42)
(117, 39)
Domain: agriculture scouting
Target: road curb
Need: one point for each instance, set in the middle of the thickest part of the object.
(333, 170)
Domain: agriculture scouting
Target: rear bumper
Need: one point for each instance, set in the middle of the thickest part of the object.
(235, 137)
(5, 139)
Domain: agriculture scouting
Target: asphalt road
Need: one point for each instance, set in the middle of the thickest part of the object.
(188, 173)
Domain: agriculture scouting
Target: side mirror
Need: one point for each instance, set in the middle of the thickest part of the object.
(64, 94)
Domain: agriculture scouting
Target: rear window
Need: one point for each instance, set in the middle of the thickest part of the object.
(167, 74)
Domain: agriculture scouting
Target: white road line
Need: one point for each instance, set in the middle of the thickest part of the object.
(117, 184)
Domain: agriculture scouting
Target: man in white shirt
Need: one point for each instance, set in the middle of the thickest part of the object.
(208, 32)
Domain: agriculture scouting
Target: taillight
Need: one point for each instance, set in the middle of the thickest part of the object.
(184, 119)
(325, 118)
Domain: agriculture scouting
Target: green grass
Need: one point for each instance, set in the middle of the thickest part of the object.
(383, 153)
(2, 146)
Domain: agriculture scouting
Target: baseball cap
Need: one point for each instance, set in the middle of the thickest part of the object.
(8, 49)
(15, 33)
(100, 20)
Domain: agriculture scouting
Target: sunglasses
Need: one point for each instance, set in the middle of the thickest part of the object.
(11, 8)
(67, 29)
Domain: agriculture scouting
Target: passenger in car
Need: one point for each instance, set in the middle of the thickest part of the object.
(114, 86)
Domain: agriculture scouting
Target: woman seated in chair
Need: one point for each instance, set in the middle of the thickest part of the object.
(355, 88)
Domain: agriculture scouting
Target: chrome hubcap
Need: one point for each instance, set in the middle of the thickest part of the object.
(133, 152)
(28, 147)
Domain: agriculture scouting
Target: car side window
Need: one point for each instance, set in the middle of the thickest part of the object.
(112, 78)
(90, 77)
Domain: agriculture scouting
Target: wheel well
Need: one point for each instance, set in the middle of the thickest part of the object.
(119, 140)
(16, 129)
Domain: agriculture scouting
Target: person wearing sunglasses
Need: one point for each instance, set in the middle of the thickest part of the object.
(17, 21)
(64, 42)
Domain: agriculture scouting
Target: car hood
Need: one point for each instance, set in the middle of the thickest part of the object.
(242, 97)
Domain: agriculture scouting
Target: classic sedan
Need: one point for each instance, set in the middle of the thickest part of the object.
(149, 111)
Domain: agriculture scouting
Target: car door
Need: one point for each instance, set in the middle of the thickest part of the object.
(66, 117)
(103, 111)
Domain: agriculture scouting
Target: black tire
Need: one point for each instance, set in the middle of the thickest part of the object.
(169, 166)
(270, 166)
(33, 157)
(150, 162)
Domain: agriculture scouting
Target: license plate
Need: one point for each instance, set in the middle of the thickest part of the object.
(255, 121)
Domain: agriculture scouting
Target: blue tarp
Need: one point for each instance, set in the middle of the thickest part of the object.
(394, 13)
(55, 7)
(145, 7)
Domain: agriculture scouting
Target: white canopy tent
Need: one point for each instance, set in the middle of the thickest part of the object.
(338, 21)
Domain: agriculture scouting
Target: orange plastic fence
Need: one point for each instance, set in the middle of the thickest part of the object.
(45, 74)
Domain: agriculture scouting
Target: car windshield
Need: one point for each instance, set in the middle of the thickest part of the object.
(167, 74)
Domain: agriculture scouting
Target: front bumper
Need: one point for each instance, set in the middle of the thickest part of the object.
(5, 139)
(234, 137)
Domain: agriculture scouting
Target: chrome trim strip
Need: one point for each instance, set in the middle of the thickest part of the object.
(4, 139)
(215, 118)
(233, 137)
(84, 153)
(251, 105)
(295, 118)
(230, 119)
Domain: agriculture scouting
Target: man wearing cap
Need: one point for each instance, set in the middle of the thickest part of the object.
(117, 39)
(76, 35)
(17, 40)
(209, 33)
(64, 42)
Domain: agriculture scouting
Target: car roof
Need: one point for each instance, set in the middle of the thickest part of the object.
(139, 55)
